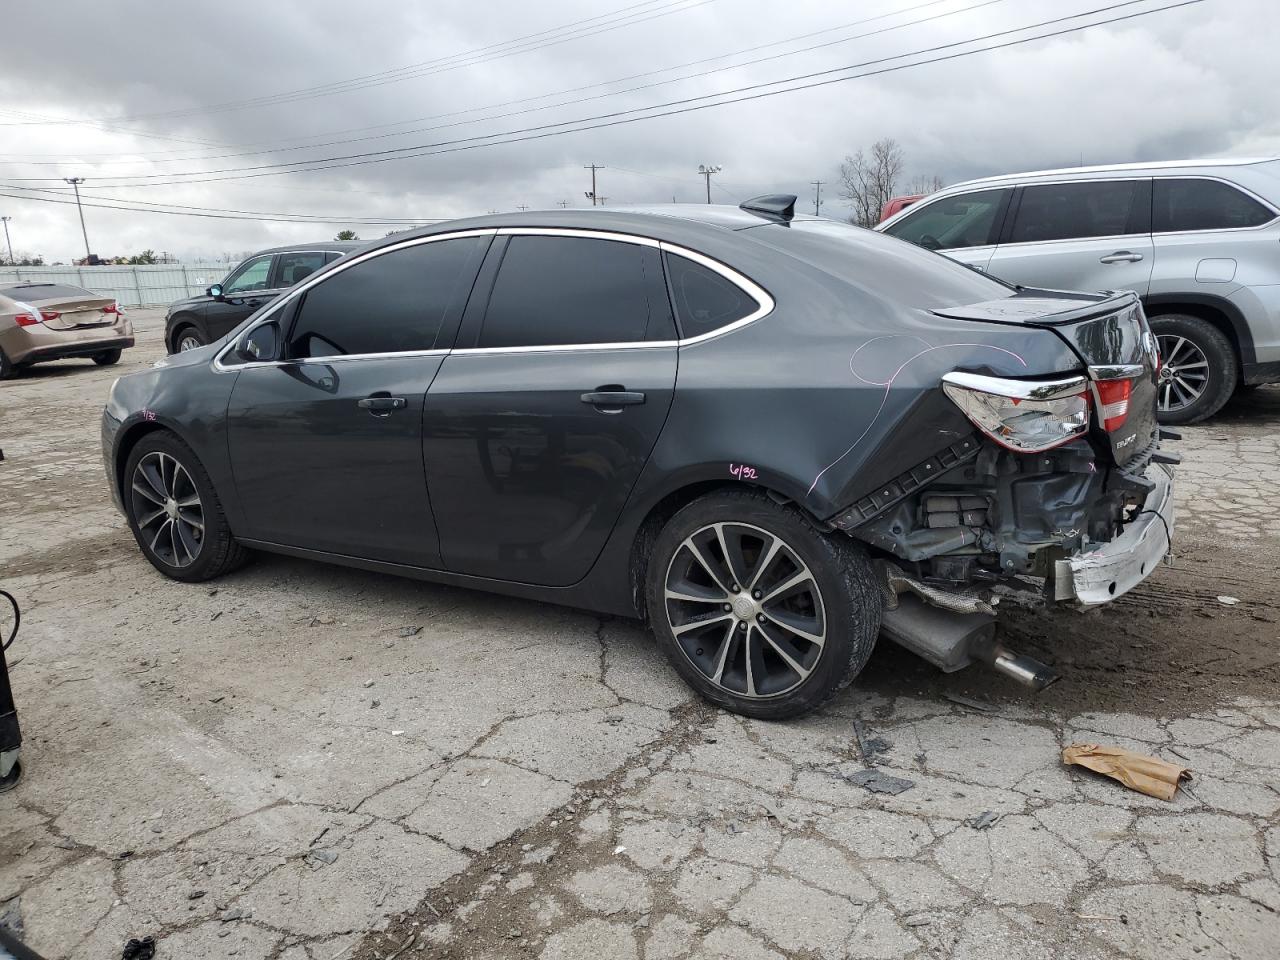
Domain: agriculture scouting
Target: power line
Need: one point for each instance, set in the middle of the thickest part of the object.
(578, 100)
(747, 93)
(476, 57)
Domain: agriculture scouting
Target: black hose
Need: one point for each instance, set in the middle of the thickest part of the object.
(17, 619)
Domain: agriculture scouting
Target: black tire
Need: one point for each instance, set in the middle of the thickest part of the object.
(217, 550)
(8, 370)
(847, 606)
(1221, 369)
(107, 358)
(187, 332)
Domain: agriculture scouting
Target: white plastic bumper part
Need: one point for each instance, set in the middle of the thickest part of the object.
(1113, 569)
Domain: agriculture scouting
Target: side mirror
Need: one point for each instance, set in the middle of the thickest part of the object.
(215, 291)
(260, 344)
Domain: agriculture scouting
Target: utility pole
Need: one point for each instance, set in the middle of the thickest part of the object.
(522, 207)
(562, 204)
(6, 238)
(593, 167)
(75, 183)
(817, 195)
(707, 170)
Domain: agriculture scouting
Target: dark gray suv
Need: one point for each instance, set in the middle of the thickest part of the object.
(202, 319)
(1198, 241)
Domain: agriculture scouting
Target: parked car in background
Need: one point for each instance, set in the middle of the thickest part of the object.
(744, 425)
(195, 321)
(1198, 241)
(56, 321)
(896, 205)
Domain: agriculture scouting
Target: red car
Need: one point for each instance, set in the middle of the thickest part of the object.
(898, 203)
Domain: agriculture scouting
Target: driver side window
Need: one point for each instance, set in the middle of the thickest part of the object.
(965, 220)
(252, 276)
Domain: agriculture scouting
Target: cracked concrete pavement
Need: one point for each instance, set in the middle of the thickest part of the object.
(282, 765)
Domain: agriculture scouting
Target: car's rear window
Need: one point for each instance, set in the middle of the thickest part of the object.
(44, 291)
(887, 268)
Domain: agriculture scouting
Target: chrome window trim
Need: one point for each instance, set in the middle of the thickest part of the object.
(765, 302)
(343, 263)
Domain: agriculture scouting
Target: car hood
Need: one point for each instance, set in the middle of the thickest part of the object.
(188, 303)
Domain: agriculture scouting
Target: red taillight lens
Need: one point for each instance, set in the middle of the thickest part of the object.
(34, 317)
(113, 308)
(1113, 403)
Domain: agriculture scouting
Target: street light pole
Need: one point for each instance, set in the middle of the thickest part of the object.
(6, 238)
(707, 169)
(75, 183)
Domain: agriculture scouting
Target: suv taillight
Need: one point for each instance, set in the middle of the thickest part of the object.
(1113, 402)
(1027, 416)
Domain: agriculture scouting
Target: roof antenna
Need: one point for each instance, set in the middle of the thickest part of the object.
(772, 206)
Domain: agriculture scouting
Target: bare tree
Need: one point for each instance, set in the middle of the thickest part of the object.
(868, 182)
(925, 185)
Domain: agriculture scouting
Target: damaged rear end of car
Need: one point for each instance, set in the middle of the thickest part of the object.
(1059, 495)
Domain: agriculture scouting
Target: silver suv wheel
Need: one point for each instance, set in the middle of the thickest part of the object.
(1184, 373)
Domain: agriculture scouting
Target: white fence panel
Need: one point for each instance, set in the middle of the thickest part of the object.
(153, 285)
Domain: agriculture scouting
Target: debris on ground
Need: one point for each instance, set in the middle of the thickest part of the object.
(410, 631)
(322, 856)
(983, 821)
(879, 782)
(969, 702)
(1149, 775)
(143, 949)
(869, 747)
(1228, 601)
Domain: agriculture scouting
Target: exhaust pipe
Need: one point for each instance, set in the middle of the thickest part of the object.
(951, 641)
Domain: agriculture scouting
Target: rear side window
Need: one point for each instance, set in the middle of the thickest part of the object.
(704, 300)
(1074, 211)
(1195, 204)
(965, 220)
(567, 290)
(292, 268)
(388, 304)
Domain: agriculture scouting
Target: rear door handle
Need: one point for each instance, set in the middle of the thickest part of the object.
(1122, 256)
(613, 398)
(375, 404)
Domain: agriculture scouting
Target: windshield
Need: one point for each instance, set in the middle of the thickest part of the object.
(887, 268)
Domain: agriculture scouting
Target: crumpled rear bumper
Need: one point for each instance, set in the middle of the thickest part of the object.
(1113, 569)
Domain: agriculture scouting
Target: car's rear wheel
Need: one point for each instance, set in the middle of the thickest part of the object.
(107, 358)
(188, 338)
(175, 513)
(7, 367)
(757, 610)
(1198, 370)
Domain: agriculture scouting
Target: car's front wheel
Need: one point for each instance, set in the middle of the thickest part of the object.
(1198, 370)
(758, 611)
(174, 512)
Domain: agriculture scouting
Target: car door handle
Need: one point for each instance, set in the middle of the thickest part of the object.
(1121, 256)
(613, 398)
(374, 404)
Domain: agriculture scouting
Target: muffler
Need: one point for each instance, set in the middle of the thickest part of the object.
(952, 641)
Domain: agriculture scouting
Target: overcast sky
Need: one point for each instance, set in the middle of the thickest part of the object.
(137, 89)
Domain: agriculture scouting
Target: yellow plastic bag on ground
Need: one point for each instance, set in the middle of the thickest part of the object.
(1155, 778)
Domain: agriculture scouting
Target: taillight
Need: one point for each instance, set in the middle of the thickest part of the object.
(113, 308)
(1026, 416)
(33, 317)
(1113, 403)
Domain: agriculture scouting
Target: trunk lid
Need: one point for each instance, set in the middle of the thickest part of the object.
(1109, 333)
(77, 312)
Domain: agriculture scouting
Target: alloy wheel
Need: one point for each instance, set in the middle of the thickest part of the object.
(189, 342)
(1184, 372)
(745, 609)
(167, 509)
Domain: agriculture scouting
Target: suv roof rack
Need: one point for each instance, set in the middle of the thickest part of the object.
(772, 206)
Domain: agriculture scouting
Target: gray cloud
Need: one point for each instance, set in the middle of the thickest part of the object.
(1196, 81)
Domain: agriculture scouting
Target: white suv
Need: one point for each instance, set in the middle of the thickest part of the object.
(1198, 241)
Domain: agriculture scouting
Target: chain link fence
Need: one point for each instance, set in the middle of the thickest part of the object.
(154, 285)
